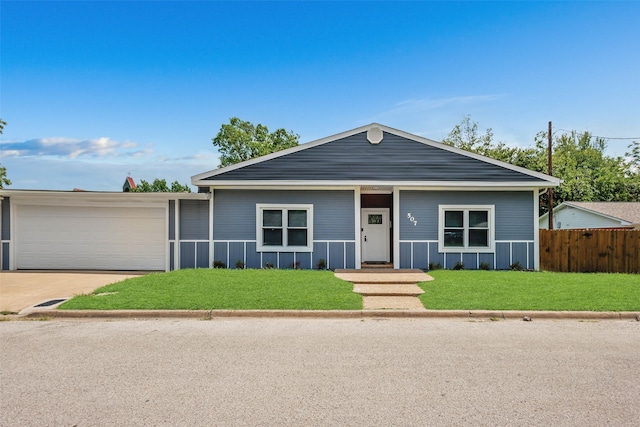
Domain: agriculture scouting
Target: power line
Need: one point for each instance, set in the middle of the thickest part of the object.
(595, 136)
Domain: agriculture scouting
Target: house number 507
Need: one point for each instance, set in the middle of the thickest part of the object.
(412, 219)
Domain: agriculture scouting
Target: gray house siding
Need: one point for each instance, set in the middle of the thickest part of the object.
(234, 225)
(514, 229)
(395, 159)
(5, 233)
(193, 233)
(172, 219)
(194, 220)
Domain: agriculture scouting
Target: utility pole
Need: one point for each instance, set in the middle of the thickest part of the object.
(550, 191)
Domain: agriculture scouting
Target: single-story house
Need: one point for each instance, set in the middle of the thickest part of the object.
(369, 195)
(580, 215)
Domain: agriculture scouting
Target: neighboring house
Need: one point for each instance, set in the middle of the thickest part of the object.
(129, 185)
(569, 215)
(370, 195)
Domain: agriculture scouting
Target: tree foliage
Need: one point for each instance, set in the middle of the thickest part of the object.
(160, 186)
(579, 159)
(3, 171)
(240, 140)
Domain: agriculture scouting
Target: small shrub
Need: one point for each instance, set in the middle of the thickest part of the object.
(240, 264)
(433, 266)
(295, 265)
(219, 264)
(485, 266)
(268, 265)
(515, 266)
(322, 264)
(459, 266)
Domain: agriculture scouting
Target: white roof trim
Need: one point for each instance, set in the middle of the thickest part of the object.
(23, 195)
(200, 179)
(404, 184)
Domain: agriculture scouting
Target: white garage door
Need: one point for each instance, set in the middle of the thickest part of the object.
(95, 238)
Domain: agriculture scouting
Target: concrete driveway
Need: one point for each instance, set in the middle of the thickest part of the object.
(23, 289)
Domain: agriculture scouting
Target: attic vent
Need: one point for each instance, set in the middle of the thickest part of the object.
(374, 135)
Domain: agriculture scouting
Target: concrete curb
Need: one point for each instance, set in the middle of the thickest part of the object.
(327, 314)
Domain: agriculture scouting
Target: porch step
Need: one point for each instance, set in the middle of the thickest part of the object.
(377, 266)
(373, 289)
(389, 277)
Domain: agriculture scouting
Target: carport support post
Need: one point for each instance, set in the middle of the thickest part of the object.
(176, 250)
(211, 245)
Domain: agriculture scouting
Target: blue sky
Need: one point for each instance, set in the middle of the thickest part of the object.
(92, 91)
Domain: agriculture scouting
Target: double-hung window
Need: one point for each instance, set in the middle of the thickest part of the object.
(466, 228)
(284, 228)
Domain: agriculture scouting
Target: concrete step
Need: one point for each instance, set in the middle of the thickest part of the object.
(413, 276)
(391, 303)
(376, 289)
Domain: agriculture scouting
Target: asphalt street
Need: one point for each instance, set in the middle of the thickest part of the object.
(319, 372)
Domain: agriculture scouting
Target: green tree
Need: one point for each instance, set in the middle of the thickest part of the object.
(579, 159)
(466, 136)
(160, 186)
(240, 140)
(3, 171)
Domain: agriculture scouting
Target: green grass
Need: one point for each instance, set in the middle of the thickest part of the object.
(518, 290)
(208, 289)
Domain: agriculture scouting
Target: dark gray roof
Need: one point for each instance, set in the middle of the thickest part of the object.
(397, 158)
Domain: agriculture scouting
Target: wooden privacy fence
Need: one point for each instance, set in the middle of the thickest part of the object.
(606, 251)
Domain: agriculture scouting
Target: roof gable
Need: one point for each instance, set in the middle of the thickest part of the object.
(358, 156)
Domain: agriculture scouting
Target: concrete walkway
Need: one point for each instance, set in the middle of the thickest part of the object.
(23, 289)
(387, 289)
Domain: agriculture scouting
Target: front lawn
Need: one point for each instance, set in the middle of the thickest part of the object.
(519, 290)
(210, 289)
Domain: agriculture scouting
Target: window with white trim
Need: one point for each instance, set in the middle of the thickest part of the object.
(466, 228)
(284, 228)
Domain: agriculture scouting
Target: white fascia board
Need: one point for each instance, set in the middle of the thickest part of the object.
(288, 187)
(464, 188)
(416, 184)
(83, 198)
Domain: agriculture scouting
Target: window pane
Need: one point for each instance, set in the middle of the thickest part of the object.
(272, 218)
(375, 219)
(272, 237)
(297, 218)
(453, 218)
(479, 238)
(297, 237)
(453, 237)
(478, 219)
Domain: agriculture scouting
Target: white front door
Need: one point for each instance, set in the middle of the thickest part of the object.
(375, 235)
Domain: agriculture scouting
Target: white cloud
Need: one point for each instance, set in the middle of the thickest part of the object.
(102, 166)
(58, 147)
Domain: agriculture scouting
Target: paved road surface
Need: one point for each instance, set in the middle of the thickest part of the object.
(273, 372)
